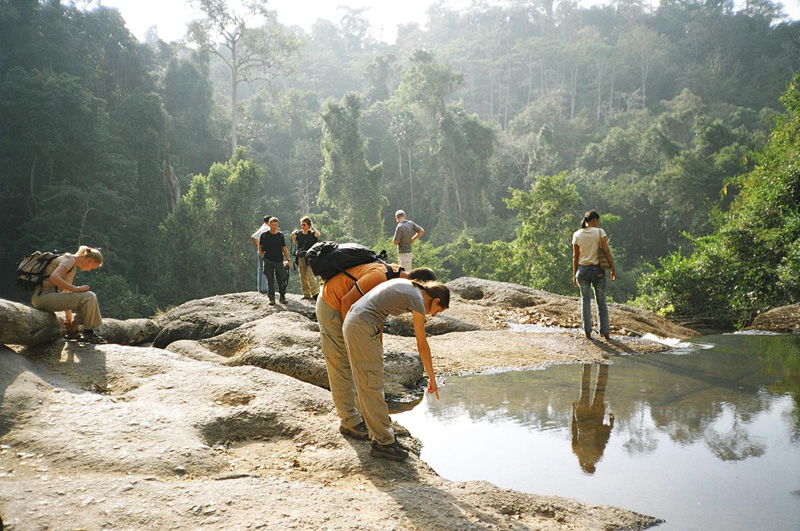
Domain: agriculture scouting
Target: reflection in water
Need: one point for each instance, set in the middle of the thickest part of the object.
(590, 433)
(708, 439)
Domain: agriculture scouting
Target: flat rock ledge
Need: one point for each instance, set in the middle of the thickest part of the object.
(120, 437)
(784, 320)
(231, 426)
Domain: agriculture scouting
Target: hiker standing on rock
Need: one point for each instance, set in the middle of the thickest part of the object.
(587, 244)
(272, 247)
(363, 328)
(406, 233)
(337, 296)
(304, 237)
(57, 293)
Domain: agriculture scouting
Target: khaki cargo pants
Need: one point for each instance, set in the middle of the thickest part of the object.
(365, 350)
(340, 376)
(87, 311)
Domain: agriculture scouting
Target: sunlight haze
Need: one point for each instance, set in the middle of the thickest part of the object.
(170, 17)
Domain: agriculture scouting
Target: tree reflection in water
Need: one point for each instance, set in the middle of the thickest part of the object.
(590, 433)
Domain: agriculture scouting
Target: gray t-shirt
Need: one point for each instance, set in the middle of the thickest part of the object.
(393, 297)
(403, 233)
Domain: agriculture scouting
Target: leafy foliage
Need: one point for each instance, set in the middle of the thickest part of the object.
(750, 263)
(348, 183)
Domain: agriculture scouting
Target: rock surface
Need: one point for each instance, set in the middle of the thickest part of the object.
(21, 324)
(785, 319)
(231, 427)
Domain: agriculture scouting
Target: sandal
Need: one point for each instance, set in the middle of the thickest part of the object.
(73, 335)
(90, 337)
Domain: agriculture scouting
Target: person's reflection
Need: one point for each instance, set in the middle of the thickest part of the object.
(589, 434)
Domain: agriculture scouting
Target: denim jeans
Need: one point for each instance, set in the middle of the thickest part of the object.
(588, 277)
(262, 279)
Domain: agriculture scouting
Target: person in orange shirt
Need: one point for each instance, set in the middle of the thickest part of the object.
(336, 297)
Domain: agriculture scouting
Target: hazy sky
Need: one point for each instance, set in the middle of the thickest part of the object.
(170, 16)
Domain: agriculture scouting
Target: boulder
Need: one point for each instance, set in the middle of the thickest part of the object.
(212, 316)
(24, 325)
(785, 319)
(288, 343)
(492, 292)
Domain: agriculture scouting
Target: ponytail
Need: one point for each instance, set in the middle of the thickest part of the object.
(435, 290)
(91, 252)
(589, 217)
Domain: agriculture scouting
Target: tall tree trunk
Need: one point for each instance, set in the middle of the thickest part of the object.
(234, 112)
(170, 181)
(411, 182)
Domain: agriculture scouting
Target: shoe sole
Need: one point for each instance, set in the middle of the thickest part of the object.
(391, 457)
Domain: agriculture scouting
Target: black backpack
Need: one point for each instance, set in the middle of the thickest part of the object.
(30, 272)
(328, 259)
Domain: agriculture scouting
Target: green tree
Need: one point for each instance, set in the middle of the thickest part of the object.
(348, 183)
(250, 52)
(206, 248)
(750, 263)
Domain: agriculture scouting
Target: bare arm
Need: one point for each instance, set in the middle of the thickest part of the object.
(58, 280)
(255, 242)
(418, 235)
(576, 253)
(425, 351)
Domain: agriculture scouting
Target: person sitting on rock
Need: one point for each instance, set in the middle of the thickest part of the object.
(58, 293)
(363, 328)
(336, 297)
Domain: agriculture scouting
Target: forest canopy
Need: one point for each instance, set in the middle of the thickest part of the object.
(494, 127)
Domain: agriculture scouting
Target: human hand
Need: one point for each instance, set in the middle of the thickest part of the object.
(81, 289)
(432, 388)
(575, 281)
(286, 263)
(613, 276)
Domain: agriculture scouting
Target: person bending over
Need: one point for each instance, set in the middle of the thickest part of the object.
(363, 327)
(336, 297)
(58, 293)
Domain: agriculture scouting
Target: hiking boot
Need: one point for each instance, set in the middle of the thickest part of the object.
(283, 299)
(359, 431)
(393, 451)
(314, 297)
(272, 302)
(90, 337)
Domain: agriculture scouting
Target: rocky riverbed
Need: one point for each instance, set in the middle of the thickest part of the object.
(220, 419)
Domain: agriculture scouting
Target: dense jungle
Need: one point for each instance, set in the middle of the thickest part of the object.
(494, 127)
